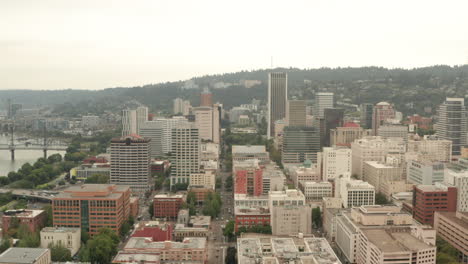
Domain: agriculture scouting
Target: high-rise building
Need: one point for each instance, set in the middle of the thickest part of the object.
(206, 98)
(181, 106)
(296, 113)
(248, 177)
(382, 113)
(452, 123)
(333, 119)
(424, 172)
(354, 192)
(335, 162)
(321, 102)
(153, 130)
(132, 119)
(366, 115)
(83, 207)
(185, 155)
(428, 199)
(277, 99)
(300, 144)
(456, 175)
(344, 136)
(131, 162)
(207, 119)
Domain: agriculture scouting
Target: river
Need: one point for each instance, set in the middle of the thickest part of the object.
(21, 157)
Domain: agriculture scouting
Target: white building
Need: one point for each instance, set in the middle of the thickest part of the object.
(240, 152)
(457, 175)
(431, 148)
(160, 132)
(308, 172)
(181, 106)
(322, 101)
(374, 149)
(316, 191)
(68, 237)
(207, 120)
(244, 200)
(185, 155)
(132, 119)
(425, 172)
(205, 179)
(355, 192)
(336, 162)
(378, 174)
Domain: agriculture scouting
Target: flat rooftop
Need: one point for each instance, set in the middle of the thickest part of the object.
(162, 196)
(248, 149)
(388, 241)
(137, 257)
(432, 188)
(23, 213)
(147, 243)
(95, 191)
(379, 165)
(61, 230)
(200, 220)
(459, 218)
(22, 255)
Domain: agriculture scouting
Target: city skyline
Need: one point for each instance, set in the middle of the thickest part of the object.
(98, 45)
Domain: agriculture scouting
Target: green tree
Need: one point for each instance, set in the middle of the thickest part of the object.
(228, 184)
(102, 247)
(381, 199)
(317, 217)
(5, 244)
(124, 229)
(31, 240)
(59, 253)
(97, 178)
(229, 230)
(48, 211)
(151, 210)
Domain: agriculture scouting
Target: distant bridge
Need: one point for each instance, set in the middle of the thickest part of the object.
(32, 194)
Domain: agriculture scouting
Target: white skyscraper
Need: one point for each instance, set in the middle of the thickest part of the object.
(132, 119)
(185, 153)
(452, 123)
(322, 101)
(277, 99)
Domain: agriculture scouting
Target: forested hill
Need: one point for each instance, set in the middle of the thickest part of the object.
(410, 90)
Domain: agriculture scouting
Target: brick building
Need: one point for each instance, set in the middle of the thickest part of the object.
(428, 199)
(167, 205)
(250, 217)
(249, 181)
(33, 219)
(92, 207)
(155, 230)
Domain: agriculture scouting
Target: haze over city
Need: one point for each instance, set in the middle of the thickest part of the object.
(100, 44)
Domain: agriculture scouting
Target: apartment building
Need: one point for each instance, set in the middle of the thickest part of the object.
(91, 207)
(185, 156)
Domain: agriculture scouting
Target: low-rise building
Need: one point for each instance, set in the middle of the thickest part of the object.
(68, 237)
(308, 172)
(200, 193)
(33, 219)
(157, 231)
(429, 199)
(83, 172)
(251, 217)
(355, 192)
(181, 231)
(243, 200)
(167, 205)
(16, 255)
(250, 152)
(424, 172)
(200, 221)
(205, 179)
(453, 228)
(316, 191)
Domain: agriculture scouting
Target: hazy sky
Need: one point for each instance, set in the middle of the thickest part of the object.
(96, 44)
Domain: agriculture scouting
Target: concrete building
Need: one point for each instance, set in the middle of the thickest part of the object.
(336, 161)
(425, 172)
(273, 178)
(83, 172)
(452, 123)
(191, 250)
(331, 210)
(428, 199)
(431, 148)
(382, 113)
(316, 191)
(248, 178)
(206, 179)
(289, 213)
(167, 205)
(182, 231)
(236, 112)
(321, 102)
(259, 152)
(90, 121)
(185, 156)
(296, 113)
(68, 237)
(398, 131)
(132, 119)
(308, 172)
(377, 174)
(300, 144)
(344, 136)
(245, 201)
(207, 120)
(456, 175)
(374, 149)
(386, 233)
(266, 249)
(181, 106)
(333, 118)
(355, 192)
(130, 162)
(16, 255)
(153, 131)
(277, 99)
(206, 97)
(33, 219)
(82, 207)
(453, 228)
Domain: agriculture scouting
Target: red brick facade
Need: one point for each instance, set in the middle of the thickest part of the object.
(167, 206)
(33, 219)
(428, 201)
(249, 181)
(249, 218)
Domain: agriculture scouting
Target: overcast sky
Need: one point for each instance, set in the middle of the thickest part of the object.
(96, 44)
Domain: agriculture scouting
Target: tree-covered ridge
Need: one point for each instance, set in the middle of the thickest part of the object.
(411, 90)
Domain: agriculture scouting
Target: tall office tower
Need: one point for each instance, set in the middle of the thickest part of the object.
(204, 122)
(154, 131)
(336, 161)
(277, 99)
(382, 112)
(321, 102)
(452, 123)
(132, 119)
(333, 118)
(130, 162)
(185, 155)
(300, 144)
(217, 111)
(181, 106)
(366, 115)
(206, 98)
(296, 113)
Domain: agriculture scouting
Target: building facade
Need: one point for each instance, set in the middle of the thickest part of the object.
(167, 206)
(277, 99)
(336, 162)
(452, 123)
(322, 101)
(68, 237)
(185, 155)
(33, 219)
(296, 113)
(382, 113)
(300, 144)
(428, 199)
(453, 228)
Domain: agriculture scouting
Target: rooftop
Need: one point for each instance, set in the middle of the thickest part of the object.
(60, 230)
(137, 257)
(379, 165)
(460, 218)
(200, 220)
(248, 149)
(23, 213)
(147, 243)
(388, 241)
(22, 255)
(95, 191)
(161, 196)
(432, 188)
